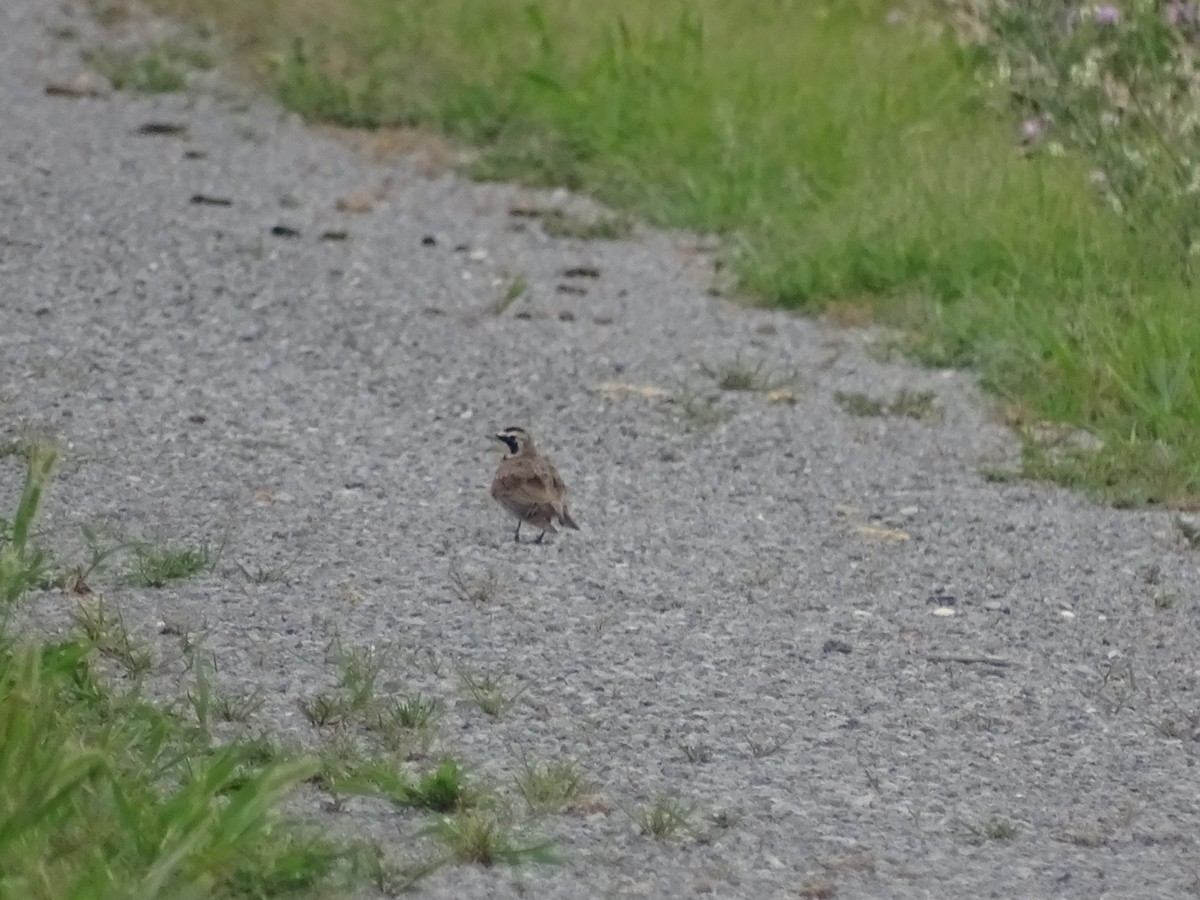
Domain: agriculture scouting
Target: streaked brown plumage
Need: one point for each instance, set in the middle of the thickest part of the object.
(528, 486)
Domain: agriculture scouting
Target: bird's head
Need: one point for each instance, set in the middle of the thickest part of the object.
(516, 440)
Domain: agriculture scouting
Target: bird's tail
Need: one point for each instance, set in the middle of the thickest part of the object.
(565, 518)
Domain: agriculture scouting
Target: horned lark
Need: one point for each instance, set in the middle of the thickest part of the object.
(528, 486)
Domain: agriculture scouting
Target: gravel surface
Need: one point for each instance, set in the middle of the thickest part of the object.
(852, 654)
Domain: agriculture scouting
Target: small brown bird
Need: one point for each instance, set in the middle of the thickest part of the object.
(528, 486)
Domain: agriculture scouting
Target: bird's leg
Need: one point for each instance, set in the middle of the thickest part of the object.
(517, 536)
(539, 538)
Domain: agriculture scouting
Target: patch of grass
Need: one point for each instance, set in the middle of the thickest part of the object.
(412, 711)
(517, 288)
(146, 73)
(559, 224)
(768, 744)
(346, 770)
(664, 817)
(695, 752)
(75, 765)
(994, 828)
(208, 703)
(306, 85)
(473, 588)
(698, 409)
(188, 55)
(105, 630)
(845, 159)
(442, 790)
(1179, 725)
(154, 566)
(482, 838)
(105, 795)
(920, 405)
(738, 375)
(260, 574)
(359, 669)
(489, 692)
(551, 787)
(859, 404)
(22, 565)
(326, 708)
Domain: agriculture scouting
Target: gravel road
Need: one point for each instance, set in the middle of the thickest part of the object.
(856, 658)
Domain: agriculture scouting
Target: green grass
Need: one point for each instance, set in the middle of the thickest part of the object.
(106, 796)
(844, 159)
(155, 566)
(664, 817)
(147, 73)
(103, 795)
(552, 787)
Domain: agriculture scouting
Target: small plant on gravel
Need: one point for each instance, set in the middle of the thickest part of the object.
(859, 404)
(345, 769)
(1165, 600)
(559, 224)
(739, 375)
(410, 711)
(919, 405)
(664, 817)
(261, 574)
(481, 588)
(22, 565)
(516, 289)
(993, 828)
(698, 408)
(481, 838)
(1189, 530)
(442, 790)
(1179, 724)
(490, 693)
(551, 787)
(696, 752)
(102, 545)
(207, 703)
(155, 566)
(148, 73)
(1114, 686)
(762, 745)
(105, 629)
(326, 708)
(359, 671)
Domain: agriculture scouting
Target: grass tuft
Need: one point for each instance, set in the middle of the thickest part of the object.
(552, 787)
(490, 693)
(152, 72)
(481, 838)
(664, 817)
(105, 795)
(155, 566)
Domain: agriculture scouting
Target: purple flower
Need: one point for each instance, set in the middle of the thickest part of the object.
(1107, 15)
(1031, 130)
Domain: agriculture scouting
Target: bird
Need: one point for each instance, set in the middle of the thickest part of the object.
(528, 486)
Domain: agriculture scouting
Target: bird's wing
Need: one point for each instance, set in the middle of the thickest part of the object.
(526, 485)
(549, 476)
